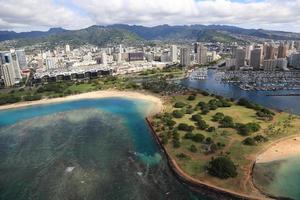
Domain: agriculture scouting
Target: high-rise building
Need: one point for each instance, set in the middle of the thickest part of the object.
(8, 74)
(273, 64)
(201, 55)
(297, 45)
(174, 54)
(165, 57)
(185, 57)
(104, 58)
(10, 60)
(248, 52)
(256, 58)
(21, 58)
(51, 63)
(67, 48)
(230, 62)
(295, 60)
(233, 51)
(240, 58)
(270, 52)
(282, 50)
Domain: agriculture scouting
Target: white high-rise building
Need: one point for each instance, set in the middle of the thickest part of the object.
(174, 57)
(67, 48)
(51, 63)
(104, 58)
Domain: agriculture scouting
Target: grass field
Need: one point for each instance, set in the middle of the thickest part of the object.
(194, 163)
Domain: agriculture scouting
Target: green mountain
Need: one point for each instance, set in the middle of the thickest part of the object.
(95, 35)
(216, 36)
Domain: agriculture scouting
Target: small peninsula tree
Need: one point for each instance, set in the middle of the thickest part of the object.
(222, 167)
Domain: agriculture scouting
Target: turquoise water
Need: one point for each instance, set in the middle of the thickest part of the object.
(280, 178)
(87, 149)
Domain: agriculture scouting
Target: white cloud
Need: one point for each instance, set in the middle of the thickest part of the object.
(29, 14)
(38, 14)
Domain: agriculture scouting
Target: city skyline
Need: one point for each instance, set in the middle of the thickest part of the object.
(76, 14)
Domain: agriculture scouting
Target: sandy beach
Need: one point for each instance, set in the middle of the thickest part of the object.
(281, 150)
(157, 102)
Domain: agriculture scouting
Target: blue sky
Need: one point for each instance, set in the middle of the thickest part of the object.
(74, 14)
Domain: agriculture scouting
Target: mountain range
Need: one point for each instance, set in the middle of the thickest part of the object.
(123, 33)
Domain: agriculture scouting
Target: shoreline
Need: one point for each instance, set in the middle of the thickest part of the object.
(94, 95)
(198, 185)
(272, 153)
(281, 149)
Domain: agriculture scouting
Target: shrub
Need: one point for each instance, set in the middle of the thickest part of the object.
(227, 122)
(205, 111)
(176, 143)
(196, 117)
(208, 140)
(32, 97)
(178, 113)
(189, 135)
(198, 137)
(218, 117)
(204, 93)
(170, 123)
(164, 139)
(222, 167)
(191, 98)
(260, 138)
(182, 156)
(193, 148)
(185, 127)
(211, 129)
(202, 125)
(189, 111)
(249, 141)
(213, 148)
(179, 104)
(246, 129)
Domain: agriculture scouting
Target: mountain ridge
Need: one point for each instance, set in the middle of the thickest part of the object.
(102, 35)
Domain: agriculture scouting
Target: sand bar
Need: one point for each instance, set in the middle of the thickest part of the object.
(281, 150)
(158, 105)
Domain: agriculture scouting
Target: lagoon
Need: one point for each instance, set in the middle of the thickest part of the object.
(84, 149)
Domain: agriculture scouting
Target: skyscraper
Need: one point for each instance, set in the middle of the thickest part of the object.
(185, 57)
(248, 52)
(270, 52)
(21, 58)
(7, 69)
(8, 74)
(173, 53)
(240, 58)
(255, 58)
(201, 55)
(67, 48)
(282, 50)
(104, 58)
(51, 63)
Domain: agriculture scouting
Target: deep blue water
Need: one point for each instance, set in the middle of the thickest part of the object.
(284, 103)
(106, 141)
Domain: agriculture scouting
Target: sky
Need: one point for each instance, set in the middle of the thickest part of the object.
(27, 15)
